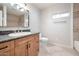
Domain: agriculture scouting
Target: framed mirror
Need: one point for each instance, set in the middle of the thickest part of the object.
(15, 15)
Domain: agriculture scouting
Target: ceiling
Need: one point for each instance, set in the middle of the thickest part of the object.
(42, 6)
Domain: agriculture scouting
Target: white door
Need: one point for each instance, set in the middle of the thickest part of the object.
(0, 18)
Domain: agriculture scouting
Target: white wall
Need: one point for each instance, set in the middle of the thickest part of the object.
(34, 18)
(57, 33)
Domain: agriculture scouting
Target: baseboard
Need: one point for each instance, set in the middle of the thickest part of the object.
(62, 45)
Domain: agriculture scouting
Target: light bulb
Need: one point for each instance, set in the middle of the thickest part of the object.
(18, 7)
(22, 9)
(12, 4)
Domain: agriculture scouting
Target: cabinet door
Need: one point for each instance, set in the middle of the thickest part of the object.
(31, 49)
(36, 44)
(12, 48)
(33, 46)
(21, 50)
(36, 48)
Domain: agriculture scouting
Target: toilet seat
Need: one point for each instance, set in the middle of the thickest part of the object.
(44, 38)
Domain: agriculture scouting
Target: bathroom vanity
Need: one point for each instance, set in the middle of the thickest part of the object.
(27, 45)
(16, 44)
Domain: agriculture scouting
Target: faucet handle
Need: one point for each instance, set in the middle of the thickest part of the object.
(19, 30)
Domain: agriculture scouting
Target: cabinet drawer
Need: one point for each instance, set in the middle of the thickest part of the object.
(6, 46)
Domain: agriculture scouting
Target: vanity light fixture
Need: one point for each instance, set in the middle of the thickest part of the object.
(12, 4)
(19, 6)
(60, 15)
(21, 9)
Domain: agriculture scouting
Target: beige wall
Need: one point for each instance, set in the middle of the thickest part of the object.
(15, 21)
(57, 33)
(12, 20)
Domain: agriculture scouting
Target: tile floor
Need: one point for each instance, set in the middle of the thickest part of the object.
(53, 50)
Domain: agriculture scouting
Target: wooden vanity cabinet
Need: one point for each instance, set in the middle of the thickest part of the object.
(7, 48)
(31, 48)
(36, 44)
(21, 50)
(24, 46)
(33, 44)
(27, 46)
(21, 47)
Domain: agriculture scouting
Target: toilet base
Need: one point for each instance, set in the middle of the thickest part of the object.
(44, 43)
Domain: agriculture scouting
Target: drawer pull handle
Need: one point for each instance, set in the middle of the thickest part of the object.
(26, 46)
(3, 47)
(29, 45)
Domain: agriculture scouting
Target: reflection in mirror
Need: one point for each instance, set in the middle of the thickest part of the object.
(14, 15)
(17, 16)
(17, 20)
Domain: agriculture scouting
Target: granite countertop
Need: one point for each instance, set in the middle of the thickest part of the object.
(4, 38)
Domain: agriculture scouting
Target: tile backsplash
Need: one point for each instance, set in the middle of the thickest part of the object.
(11, 31)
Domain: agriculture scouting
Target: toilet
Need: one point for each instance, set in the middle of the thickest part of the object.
(43, 40)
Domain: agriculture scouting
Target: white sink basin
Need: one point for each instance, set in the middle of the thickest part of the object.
(19, 34)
